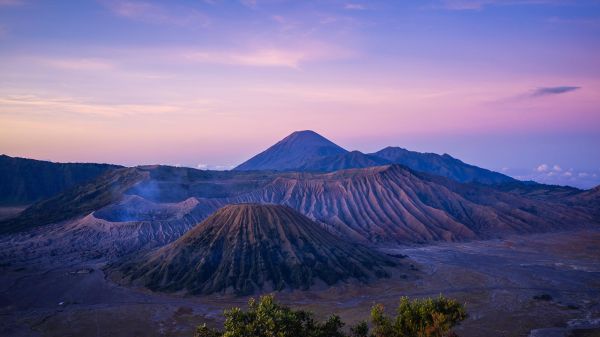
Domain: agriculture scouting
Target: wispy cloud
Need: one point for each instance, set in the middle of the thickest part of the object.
(286, 24)
(11, 2)
(279, 19)
(156, 14)
(202, 166)
(584, 22)
(48, 105)
(354, 6)
(480, 4)
(133, 60)
(261, 58)
(267, 56)
(556, 175)
(542, 168)
(92, 64)
(524, 96)
(3, 31)
(249, 3)
(464, 4)
(354, 94)
(545, 91)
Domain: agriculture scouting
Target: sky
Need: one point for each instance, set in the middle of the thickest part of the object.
(510, 85)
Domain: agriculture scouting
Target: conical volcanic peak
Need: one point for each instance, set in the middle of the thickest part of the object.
(245, 248)
(292, 152)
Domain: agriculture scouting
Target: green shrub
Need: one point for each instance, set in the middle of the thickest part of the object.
(418, 318)
(266, 318)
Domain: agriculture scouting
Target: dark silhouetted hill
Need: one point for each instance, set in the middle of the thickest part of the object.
(442, 165)
(24, 181)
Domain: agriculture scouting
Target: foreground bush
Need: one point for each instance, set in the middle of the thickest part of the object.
(418, 318)
(266, 318)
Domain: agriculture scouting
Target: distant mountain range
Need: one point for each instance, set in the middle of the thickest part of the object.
(299, 214)
(376, 204)
(442, 165)
(242, 248)
(309, 151)
(23, 181)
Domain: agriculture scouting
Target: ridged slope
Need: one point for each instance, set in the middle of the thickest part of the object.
(393, 204)
(377, 204)
(247, 247)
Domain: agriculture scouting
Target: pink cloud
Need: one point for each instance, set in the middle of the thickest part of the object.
(353, 6)
(268, 56)
(23, 105)
(11, 2)
(152, 13)
(91, 64)
(249, 3)
(480, 4)
(542, 168)
(261, 58)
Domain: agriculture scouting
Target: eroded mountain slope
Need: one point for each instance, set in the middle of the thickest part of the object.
(247, 247)
(394, 204)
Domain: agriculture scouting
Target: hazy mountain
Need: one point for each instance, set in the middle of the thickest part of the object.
(23, 181)
(309, 151)
(292, 152)
(442, 165)
(248, 247)
(158, 184)
(534, 190)
(80, 200)
(354, 159)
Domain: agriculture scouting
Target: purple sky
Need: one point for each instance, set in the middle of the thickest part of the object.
(510, 85)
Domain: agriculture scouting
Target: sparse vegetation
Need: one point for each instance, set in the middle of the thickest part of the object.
(418, 318)
(266, 318)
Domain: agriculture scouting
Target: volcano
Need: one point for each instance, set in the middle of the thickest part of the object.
(243, 248)
(292, 152)
(308, 151)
